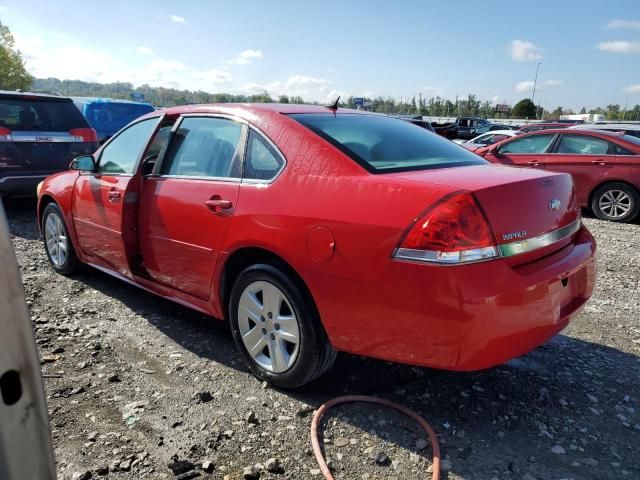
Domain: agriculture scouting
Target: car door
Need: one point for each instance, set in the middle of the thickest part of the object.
(102, 222)
(188, 201)
(528, 151)
(589, 160)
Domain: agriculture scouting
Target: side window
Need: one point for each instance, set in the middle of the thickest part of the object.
(262, 161)
(122, 153)
(582, 145)
(528, 145)
(204, 147)
(618, 150)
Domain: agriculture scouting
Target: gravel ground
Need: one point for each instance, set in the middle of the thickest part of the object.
(138, 387)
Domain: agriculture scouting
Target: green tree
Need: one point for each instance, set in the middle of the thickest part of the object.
(13, 73)
(524, 109)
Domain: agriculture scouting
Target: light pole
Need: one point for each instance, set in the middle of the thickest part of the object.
(533, 95)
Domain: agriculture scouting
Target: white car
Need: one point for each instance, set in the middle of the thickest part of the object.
(488, 138)
(632, 129)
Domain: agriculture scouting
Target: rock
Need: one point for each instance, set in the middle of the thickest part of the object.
(114, 378)
(251, 418)
(273, 465)
(125, 466)
(383, 459)
(207, 466)
(179, 467)
(250, 473)
(188, 475)
(421, 444)
(92, 437)
(102, 470)
(315, 471)
(81, 475)
(558, 450)
(591, 462)
(203, 397)
(445, 465)
(341, 442)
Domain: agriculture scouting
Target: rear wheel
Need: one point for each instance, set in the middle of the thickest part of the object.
(277, 328)
(57, 243)
(617, 202)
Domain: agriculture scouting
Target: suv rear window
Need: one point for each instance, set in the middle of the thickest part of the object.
(40, 115)
(384, 144)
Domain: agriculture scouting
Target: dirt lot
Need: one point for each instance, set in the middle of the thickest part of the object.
(138, 387)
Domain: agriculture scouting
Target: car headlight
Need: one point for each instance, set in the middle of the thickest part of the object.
(39, 187)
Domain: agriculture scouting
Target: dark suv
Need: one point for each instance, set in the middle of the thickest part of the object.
(39, 135)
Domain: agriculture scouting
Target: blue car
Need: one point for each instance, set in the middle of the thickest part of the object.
(107, 115)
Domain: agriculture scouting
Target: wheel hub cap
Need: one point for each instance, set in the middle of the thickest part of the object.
(268, 326)
(56, 239)
(615, 203)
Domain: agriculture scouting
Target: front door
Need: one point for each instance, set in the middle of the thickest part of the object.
(529, 151)
(589, 160)
(102, 223)
(187, 202)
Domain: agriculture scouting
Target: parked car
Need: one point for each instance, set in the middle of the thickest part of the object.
(534, 127)
(107, 115)
(417, 120)
(466, 128)
(314, 229)
(604, 166)
(632, 129)
(39, 135)
(488, 138)
(25, 441)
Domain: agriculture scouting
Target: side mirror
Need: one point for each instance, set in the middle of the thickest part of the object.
(84, 163)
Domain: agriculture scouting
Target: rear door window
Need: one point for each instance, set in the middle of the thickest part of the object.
(383, 144)
(262, 161)
(40, 115)
(582, 145)
(204, 147)
(528, 145)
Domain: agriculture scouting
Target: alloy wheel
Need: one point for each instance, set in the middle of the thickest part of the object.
(615, 203)
(268, 326)
(56, 239)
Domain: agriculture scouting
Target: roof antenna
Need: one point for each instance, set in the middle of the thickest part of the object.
(334, 105)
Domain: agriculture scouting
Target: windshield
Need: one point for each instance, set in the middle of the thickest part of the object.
(384, 144)
(109, 117)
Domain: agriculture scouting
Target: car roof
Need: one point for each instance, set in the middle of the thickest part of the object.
(598, 133)
(32, 96)
(246, 110)
(606, 126)
(107, 100)
(500, 132)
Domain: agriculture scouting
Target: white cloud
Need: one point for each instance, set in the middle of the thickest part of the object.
(523, 51)
(631, 24)
(309, 88)
(524, 86)
(633, 88)
(246, 57)
(620, 46)
(527, 85)
(177, 19)
(145, 50)
(431, 90)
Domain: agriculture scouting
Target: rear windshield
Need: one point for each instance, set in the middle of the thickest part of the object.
(384, 144)
(40, 115)
(112, 116)
(632, 137)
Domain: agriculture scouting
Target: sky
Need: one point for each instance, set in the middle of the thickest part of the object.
(589, 50)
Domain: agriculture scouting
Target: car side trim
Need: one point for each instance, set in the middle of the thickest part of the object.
(544, 240)
(21, 177)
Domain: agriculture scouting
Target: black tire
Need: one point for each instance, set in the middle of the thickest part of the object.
(71, 264)
(603, 196)
(315, 355)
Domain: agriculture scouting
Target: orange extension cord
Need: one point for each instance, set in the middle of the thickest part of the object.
(317, 416)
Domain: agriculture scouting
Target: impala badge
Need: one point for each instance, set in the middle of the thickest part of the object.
(554, 204)
(514, 235)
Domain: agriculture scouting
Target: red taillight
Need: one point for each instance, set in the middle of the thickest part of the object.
(455, 230)
(84, 134)
(5, 134)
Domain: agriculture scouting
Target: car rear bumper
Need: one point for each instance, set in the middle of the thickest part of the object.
(467, 317)
(20, 184)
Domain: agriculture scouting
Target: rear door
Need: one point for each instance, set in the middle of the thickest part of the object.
(105, 228)
(188, 201)
(589, 160)
(41, 135)
(529, 151)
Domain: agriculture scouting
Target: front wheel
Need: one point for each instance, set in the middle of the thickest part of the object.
(57, 243)
(277, 329)
(617, 202)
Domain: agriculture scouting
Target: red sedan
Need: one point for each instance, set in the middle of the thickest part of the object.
(313, 230)
(605, 166)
